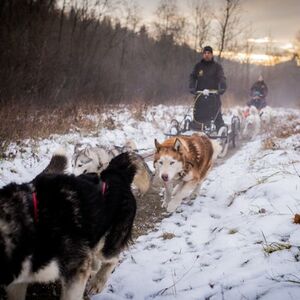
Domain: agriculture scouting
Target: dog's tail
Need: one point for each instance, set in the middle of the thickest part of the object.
(58, 163)
(217, 149)
(143, 177)
(133, 168)
(121, 164)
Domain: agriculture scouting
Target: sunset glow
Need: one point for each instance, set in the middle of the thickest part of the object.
(259, 59)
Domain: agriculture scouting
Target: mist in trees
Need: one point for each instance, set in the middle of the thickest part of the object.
(101, 51)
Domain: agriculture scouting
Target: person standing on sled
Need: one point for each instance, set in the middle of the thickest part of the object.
(208, 77)
(259, 92)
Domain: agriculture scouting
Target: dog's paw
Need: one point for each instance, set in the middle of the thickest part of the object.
(164, 204)
(193, 196)
(94, 286)
(171, 207)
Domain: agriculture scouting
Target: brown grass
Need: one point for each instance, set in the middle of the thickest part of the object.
(167, 236)
(269, 144)
(297, 219)
(24, 121)
(281, 129)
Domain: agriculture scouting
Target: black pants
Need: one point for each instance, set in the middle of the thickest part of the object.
(258, 103)
(207, 109)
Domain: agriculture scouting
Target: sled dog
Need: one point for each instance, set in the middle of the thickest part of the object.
(95, 159)
(62, 227)
(266, 115)
(58, 163)
(252, 124)
(183, 162)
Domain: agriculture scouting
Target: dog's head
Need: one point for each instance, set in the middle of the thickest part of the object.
(252, 126)
(168, 158)
(121, 165)
(89, 160)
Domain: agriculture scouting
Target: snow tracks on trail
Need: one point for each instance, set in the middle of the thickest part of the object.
(237, 240)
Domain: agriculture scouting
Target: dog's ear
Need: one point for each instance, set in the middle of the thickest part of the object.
(77, 147)
(87, 150)
(177, 145)
(157, 145)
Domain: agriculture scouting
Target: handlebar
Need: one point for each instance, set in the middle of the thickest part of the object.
(257, 97)
(211, 92)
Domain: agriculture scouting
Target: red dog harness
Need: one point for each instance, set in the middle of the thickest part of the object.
(103, 187)
(35, 207)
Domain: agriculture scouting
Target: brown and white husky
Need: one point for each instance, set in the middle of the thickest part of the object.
(182, 163)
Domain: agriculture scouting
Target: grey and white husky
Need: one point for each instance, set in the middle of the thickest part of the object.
(66, 227)
(88, 159)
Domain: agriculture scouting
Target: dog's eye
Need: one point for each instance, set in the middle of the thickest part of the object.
(160, 162)
(80, 165)
(172, 162)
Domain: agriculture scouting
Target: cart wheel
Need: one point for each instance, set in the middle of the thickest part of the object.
(223, 140)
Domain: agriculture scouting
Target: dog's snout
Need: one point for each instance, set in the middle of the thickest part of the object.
(165, 177)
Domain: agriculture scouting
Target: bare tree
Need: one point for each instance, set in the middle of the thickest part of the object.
(228, 24)
(200, 20)
(130, 14)
(169, 22)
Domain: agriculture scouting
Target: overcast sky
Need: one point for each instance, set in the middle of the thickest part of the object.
(278, 18)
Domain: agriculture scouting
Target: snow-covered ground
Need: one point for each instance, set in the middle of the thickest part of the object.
(236, 240)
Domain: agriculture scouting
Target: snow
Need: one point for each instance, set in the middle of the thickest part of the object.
(216, 250)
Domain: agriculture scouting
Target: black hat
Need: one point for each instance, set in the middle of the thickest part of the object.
(208, 48)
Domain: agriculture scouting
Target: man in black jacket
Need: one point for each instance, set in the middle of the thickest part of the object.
(208, 75)
(259, 92)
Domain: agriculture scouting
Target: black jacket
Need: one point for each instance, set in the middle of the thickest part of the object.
(261, 88)
(208, 75)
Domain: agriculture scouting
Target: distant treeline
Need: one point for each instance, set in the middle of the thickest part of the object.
(53, 55)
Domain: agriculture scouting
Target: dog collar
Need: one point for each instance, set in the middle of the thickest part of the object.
(35, 207)
(103, 187)
(33, 204)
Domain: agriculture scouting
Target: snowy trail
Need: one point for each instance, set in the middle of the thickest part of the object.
(215, 250)
(213, 246)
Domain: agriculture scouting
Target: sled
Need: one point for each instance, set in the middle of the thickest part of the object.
(203, 120)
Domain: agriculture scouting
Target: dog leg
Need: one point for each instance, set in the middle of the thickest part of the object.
(73, 288)
(196, 191)
(97, 283)
(16, 291)
(186, 190)
(168, 193)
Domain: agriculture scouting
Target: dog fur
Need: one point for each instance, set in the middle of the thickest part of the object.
(95, 159)
(58, 163)
(252, 124)
(266, 116)
(183, 162)
(79, 228)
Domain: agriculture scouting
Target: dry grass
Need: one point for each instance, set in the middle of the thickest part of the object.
(290, 127)
(24, 121)
(269, 144)
(273, 247)
(138, 110)
(233, 231)
(296, 219)
(167, 236)
(281, 129)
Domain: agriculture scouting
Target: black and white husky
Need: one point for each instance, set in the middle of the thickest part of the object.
(88, 159)
(66, 227)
